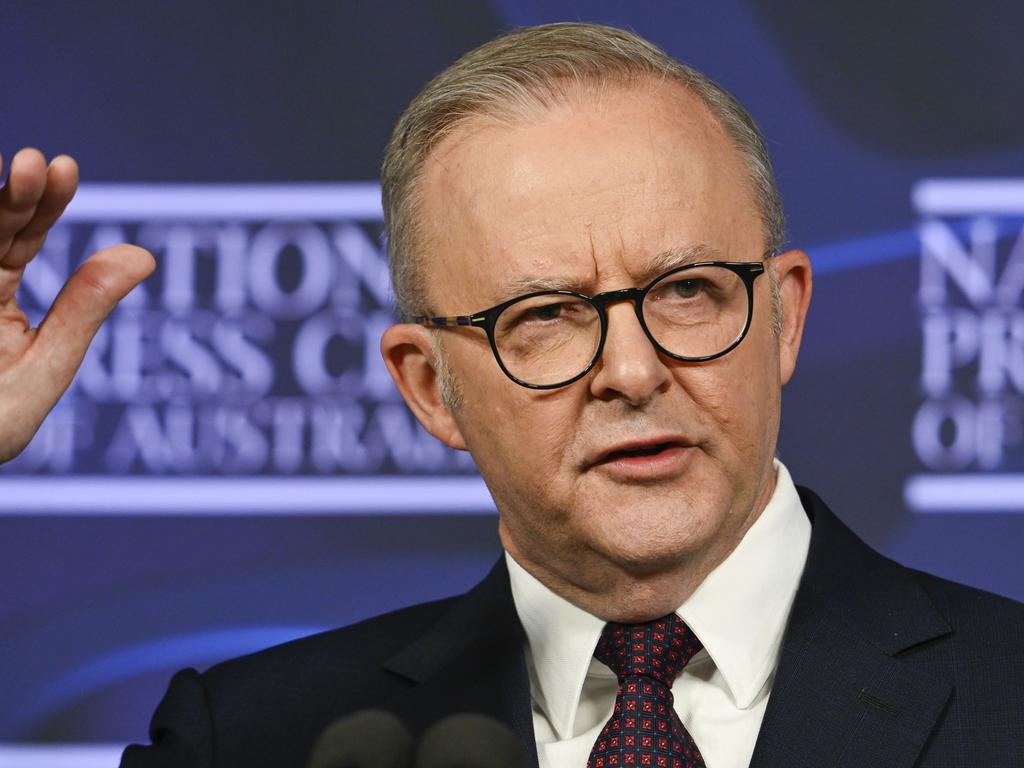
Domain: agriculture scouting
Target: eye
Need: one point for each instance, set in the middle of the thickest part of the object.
(687, 289)
(545, 312)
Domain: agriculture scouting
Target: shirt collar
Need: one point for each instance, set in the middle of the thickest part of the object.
(739, 613)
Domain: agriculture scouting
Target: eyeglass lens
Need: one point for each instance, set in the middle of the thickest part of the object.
(548, 339)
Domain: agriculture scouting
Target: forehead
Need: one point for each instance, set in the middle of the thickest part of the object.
(590, 193)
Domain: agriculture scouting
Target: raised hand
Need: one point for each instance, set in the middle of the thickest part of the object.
(37, 364)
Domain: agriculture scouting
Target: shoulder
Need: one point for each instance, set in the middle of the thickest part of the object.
(970, 609)
(982, 658)
(986, 629)
(954, 630)
(969, 641)
(267, 708)
(346, 653)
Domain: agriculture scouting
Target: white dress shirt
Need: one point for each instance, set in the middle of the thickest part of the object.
(739, 613)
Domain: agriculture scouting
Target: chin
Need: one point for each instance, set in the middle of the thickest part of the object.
(642, 602)
(649, 556)
(657, 540)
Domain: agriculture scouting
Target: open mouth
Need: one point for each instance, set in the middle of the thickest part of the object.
(653, 449)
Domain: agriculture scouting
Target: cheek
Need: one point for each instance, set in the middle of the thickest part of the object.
(523, 451)
(541, 441)
(738, 403)
(519, 435)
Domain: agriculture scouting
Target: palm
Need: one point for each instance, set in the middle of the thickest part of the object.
(37, 365)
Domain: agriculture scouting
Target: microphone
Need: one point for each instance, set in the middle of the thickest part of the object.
(469, 741)
(371, 738)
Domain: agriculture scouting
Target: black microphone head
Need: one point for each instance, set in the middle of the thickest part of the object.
(368, 739)
(469, 741)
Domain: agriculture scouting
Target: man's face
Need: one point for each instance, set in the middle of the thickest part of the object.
(591, 196)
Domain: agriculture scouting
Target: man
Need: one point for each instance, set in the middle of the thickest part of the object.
(585, 240)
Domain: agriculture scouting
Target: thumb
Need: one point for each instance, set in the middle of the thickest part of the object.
(82, 305)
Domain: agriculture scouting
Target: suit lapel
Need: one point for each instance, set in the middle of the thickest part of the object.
(841, 697)
(471, 660)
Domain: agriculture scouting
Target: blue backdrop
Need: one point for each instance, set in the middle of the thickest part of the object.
(232, 469)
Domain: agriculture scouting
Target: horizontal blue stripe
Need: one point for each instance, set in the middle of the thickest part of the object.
(896, 245)
(867, 251)
(131, 661)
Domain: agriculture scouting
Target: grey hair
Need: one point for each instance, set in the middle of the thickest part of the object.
(776, 298)
(448, 386)
(515, 74)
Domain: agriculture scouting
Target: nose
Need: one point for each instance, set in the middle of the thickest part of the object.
(630, 367)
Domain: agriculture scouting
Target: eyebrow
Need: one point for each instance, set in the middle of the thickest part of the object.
(680, 257)
(662, 262)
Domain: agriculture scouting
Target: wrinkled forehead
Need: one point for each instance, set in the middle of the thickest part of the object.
(605, 188)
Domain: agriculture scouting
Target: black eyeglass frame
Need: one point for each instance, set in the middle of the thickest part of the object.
(748, 271)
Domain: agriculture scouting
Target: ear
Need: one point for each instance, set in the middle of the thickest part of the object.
(793, 273)
(409, 356)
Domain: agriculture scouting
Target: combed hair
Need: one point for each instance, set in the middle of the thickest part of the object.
(509, 78)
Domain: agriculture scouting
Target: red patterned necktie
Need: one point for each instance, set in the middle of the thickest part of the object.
(645, 730)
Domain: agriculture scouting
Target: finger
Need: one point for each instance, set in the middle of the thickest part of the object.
(61, 182)
(9, 280)
(84, 302)
(25, 185)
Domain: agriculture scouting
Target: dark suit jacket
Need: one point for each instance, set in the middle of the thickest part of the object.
(881, 667)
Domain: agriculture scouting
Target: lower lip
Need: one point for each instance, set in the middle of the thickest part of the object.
(658, 466)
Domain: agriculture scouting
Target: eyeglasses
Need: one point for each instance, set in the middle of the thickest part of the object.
(549, 339)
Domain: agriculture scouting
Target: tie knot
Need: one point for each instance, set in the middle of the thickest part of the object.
(658, 649)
